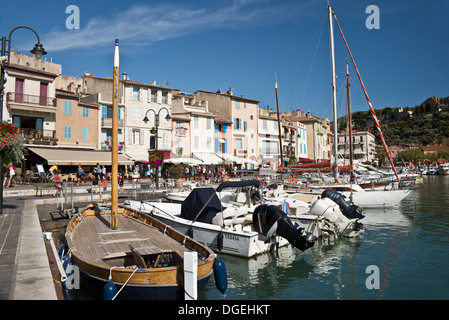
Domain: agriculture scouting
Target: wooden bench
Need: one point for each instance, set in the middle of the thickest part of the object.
(40, 186)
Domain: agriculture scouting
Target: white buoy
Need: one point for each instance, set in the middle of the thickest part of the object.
(190, 275)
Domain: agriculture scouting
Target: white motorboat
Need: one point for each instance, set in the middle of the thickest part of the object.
(443, 169)
(364, 198)
(227, 229)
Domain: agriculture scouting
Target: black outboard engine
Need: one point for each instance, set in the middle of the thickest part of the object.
(349, 210)
(270, 220)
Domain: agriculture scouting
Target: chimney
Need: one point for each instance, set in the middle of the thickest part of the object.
(125, 77)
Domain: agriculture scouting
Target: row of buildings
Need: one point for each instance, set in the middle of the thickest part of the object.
(68, 120)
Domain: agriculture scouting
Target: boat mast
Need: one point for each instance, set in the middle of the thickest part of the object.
(368, 100)
(348, 91)
(114, 151)
(279, 124)
(334, 90)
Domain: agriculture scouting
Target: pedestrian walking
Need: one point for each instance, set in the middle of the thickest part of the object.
(120, 182)
(95, 179)
(11, 172)
(79, 174)
(58, 184)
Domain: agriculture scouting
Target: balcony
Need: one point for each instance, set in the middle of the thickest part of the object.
(38, 137)
(240, 152)
(107, 123)
(30, 102)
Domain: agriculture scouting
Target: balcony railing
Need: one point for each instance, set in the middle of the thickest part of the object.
(38, 136)
(20, 98)
(107, 122)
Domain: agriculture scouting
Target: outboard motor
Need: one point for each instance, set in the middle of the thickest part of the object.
(349, 210)
(270, 220)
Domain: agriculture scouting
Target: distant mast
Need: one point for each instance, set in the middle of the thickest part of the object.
(114, 151)
(348, 92)
(334, 90)
(279, 125)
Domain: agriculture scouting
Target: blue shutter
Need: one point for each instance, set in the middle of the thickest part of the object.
(216, 127)
(225, 127)
(216, 144)
(226, 146)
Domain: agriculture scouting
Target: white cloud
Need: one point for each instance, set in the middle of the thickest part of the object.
(144, 24)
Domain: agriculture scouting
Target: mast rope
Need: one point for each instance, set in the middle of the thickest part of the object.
(135, 269)
(367, 98)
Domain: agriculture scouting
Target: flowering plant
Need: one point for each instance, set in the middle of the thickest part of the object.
(156, 159)
(7, 133)
(120, 145)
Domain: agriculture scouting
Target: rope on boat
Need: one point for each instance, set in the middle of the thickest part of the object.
(110, 270)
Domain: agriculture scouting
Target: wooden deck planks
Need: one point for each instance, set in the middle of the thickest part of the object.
(94, 239)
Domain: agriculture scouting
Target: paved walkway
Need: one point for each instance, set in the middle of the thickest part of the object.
(24, 266)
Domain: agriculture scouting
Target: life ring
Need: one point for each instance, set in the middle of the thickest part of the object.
(293, 179)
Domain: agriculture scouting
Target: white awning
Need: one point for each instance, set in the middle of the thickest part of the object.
(208, 158)
(184, 160)
(74, 157)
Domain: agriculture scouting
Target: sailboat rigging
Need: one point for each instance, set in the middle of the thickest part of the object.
(366, 94)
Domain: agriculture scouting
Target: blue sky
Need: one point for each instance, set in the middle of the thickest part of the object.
(206, 45)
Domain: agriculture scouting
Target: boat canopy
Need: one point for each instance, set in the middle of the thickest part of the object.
(237, 184)
(196, 200)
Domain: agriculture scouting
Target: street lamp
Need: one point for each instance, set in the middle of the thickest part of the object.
(154, 131)
(38, 52)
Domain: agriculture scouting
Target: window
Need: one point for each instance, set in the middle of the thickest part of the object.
(135, 113)
(264, 124)
(196, 142)
(245, 126)
(208, 123)
(85, 112)
(195, 122)
(135, 138)
(67, 132)
(238, 144)
(208, 143)
(68, 107)
(237, 104)
(153, 96)
(84, 134)
(237, 124)
(164, 97)
(135, 94)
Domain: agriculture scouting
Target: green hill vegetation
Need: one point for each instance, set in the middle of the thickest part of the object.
(424, 124)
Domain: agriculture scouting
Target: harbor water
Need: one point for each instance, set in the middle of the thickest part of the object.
(403, 254)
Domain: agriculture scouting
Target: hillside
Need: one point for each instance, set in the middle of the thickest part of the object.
(425, 124)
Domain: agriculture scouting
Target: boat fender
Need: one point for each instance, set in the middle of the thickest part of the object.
(349, 210)
(109, 290)
(190, 232)
(62, 251)
(220, 275)
(268, 218)
(293, 180)
(220, 239)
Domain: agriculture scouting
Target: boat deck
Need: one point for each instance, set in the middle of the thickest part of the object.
(96, 242)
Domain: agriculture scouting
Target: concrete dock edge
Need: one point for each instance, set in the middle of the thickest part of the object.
(33, 278)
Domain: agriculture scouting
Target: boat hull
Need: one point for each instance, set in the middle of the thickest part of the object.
(143, 253)
(235, 241)
(95, 286)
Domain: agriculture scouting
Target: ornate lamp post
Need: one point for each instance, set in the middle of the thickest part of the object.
(38, 52)
(154, 131)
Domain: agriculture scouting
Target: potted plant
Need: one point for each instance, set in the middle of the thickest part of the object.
(176, 173)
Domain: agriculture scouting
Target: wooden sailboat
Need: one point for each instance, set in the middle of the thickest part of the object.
(143, 255)
(114, 246)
